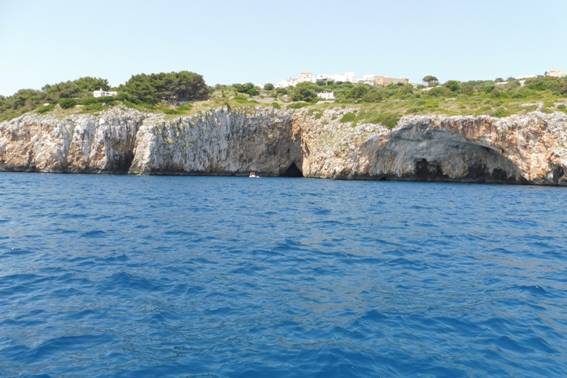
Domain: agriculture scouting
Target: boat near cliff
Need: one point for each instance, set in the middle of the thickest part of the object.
(520, 149)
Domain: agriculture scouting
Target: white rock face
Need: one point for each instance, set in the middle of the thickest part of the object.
(82, 143)
(528, 148)
(219, 142)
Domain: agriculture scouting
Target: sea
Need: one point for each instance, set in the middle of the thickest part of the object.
(154, 276)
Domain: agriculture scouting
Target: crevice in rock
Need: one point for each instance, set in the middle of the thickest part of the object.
(292, 171)
(558, 173)
(123, 162)
(428, 170)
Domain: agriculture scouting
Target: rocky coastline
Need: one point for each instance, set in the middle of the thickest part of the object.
(521, 149)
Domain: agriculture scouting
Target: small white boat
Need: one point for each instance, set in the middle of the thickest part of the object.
(253, 175)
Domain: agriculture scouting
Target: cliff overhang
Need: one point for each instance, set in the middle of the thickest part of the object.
(522, 149)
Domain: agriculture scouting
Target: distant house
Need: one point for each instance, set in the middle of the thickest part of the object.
(522, 80)
(304, 77)
(347, 77)
(555, 73)
(101, 93)
(383, 80)
(326, 96)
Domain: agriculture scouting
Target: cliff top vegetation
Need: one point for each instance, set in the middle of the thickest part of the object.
(185, 93)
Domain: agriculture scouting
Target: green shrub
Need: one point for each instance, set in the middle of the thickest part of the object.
(500, 112)
(242, 99)
(172, 87)
(303, 92)
(298, 105)
(93, 107)
(358, 91)
(348, 117)
(45, 108)
(453, 85)
(175, 110)
(269, 87)
(67, 103)
(80, 88)
(439, 92)
(430, 80)
(247, 88)
(388, 119)
(373, 95)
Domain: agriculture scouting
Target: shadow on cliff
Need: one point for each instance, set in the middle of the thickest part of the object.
(292, 171)
(414, 153)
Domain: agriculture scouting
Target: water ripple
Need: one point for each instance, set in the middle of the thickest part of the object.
(121, 276)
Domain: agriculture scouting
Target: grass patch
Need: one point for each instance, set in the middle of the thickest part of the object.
(182, 109)
(348, 117)
(45, 108)
(298, 105)
(390, 120)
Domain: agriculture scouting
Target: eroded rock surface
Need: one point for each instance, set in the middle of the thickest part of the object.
(218, 142)
(528, 148)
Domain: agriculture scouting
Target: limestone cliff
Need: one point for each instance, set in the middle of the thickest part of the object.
(218, 142)
(528, 148)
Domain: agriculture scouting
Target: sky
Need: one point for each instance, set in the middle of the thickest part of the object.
(48, 41)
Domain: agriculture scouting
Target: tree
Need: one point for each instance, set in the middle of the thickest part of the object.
(430, 80)
(269, 87)
(303, 93)
(358, 91)
(187, 86)
(247, 88)
(453, 85)
(170, 87)
(139, 88)
(26, 98)
(374, 95)
(67, 103)
(80, 88)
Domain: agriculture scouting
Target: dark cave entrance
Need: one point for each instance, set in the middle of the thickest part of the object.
(292, 171)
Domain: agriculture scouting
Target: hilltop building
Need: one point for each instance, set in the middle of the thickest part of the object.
(305, 77)
(379, 80)
(101, 93)
(555, 73)
(347, 77)
(326, 96)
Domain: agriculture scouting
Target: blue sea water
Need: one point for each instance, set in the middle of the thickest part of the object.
(215, 276)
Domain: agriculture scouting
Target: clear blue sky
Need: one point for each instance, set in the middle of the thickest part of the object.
(47, 41)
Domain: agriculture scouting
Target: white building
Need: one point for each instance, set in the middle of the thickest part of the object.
(347, 77)
(379, 80)
(555, 73)
(326, 96)
(101, 93)
(304, 77)
(350, 77)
